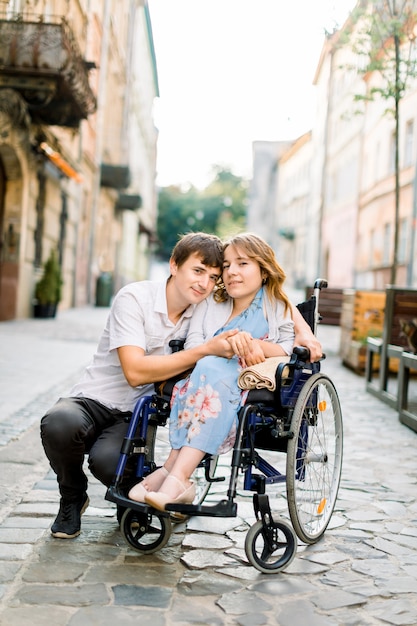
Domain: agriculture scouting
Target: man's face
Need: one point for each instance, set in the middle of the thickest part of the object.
(193, 279)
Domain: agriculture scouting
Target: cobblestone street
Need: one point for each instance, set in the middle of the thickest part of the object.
(363, 572)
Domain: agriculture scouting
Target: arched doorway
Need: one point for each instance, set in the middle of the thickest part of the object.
(9, 237)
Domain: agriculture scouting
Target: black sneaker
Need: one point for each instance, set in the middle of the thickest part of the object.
(67, 524)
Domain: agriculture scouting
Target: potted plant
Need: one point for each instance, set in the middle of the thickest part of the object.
(48, 288)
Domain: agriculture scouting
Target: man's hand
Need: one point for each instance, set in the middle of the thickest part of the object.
(219, 345)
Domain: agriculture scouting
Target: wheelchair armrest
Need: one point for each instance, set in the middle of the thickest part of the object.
(165, 387)
(302, 353)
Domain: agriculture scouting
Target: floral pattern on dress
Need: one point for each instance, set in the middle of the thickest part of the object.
(204, 406)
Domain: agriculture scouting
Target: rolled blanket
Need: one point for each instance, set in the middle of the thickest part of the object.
(262, 375)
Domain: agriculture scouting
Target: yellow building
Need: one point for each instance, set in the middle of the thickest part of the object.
(77, 146)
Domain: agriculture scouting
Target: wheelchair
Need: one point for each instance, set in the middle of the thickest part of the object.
(302, 418)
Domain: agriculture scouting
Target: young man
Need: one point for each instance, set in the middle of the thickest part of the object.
(132, 354)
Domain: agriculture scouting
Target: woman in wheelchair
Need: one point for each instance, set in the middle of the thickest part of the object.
(205, 405)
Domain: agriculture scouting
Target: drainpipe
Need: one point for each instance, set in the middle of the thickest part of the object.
(101, 93)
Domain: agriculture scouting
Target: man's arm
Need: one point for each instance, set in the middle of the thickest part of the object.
(304, 336)
(141, 369)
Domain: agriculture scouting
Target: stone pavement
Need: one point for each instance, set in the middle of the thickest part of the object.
(364, 570)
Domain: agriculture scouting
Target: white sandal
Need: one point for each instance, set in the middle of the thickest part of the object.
(152, 482)
(159, 499)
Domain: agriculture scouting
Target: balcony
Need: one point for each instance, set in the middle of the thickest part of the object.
(42, 61)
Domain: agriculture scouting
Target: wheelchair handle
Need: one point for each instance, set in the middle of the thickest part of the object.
(320, 283)
(303, 353)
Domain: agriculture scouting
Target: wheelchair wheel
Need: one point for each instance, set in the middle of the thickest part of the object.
(271, 549)
(157, 440)
(314, 458)
(145, 532)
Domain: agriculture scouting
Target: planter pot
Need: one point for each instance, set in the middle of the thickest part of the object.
(44, 310)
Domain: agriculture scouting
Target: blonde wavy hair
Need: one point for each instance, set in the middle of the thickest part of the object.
(261, 252)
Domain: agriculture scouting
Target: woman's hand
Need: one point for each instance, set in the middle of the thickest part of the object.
(310, 341)
(246, 348)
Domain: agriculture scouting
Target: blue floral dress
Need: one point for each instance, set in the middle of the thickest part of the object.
(204, 406)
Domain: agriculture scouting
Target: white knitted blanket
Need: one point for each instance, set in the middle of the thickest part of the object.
(262, 375)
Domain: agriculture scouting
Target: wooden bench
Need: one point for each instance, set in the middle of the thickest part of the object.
(407, 407)
(393, 349)
(330, 304)
(362, 316)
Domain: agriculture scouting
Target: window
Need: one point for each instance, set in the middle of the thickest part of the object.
(391, 165)
(402, 241)
(13, 6)
(386, 248)
(372, 248)
(376, 162)
(408, 148)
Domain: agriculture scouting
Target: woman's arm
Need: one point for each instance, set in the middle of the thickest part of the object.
(252, 351)
(305, 337)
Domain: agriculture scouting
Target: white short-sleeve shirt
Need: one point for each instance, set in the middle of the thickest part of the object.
(138, 317)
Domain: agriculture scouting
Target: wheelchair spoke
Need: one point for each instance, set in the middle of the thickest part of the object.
(314, 458)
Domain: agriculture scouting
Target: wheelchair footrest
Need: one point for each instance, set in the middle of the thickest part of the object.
(224, 508)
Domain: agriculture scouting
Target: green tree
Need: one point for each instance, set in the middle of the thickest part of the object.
(220, 209)
(384, 39)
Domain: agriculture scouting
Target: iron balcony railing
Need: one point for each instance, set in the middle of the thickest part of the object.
(42, 61)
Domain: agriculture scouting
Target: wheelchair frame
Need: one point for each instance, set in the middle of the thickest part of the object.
(302, 418)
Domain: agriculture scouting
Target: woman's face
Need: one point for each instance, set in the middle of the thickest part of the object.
(242, 276)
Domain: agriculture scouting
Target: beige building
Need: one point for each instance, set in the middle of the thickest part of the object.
(293, 212)
(377, 193)
(261, 215)
(77, 146)
(338, 134)
(335, 203)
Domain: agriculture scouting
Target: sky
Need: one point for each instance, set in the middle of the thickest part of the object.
(232, 72)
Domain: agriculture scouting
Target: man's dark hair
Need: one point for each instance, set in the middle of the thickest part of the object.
(208, 247)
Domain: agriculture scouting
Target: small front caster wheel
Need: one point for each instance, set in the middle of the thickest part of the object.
(271, 548)
(145, 532)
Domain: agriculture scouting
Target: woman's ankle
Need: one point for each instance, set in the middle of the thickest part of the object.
(154, 480)
(174, 485)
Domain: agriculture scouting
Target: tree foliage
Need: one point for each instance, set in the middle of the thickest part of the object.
(385, 43)
(219, 209)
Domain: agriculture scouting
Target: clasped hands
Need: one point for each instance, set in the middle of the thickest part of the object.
(249, 350)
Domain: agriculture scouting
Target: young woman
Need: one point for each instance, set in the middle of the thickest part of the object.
(205, 405)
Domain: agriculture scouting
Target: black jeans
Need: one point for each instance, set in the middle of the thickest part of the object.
(74, 427)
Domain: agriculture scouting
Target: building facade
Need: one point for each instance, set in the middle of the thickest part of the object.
(77, 146)
(293, 210)
(261, 217)
(335, 187)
